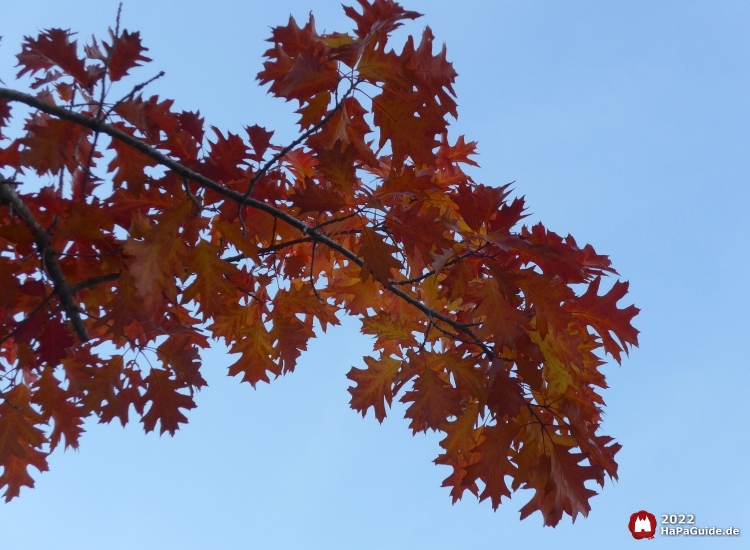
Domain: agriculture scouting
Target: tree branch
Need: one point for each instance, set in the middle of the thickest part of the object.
(74, 288)
(88, 283)
(232, 195)
(280, 246)
(8, 195)
(432, 272)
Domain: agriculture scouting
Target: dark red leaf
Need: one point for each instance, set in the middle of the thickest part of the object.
(53, 48)
(125, 53)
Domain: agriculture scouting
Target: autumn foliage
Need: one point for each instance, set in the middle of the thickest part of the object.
(154, 233)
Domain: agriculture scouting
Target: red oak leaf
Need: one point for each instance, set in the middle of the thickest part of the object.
(166, 401)
(125, 53)
(602, 313)
(53, 48)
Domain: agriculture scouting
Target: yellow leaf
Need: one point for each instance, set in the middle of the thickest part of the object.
(555, 372)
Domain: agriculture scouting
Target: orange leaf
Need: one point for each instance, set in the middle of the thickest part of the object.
(292, 335)
(502, 323)
(166, 402)
(410, 127)
(159, 257)
(257, 351)
(373, 385)
(51, 145)
(129, 165)
(20, 441)
(558, 481)
(602, 313)
(494, 464)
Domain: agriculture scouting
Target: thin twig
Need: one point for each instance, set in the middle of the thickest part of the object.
(100, 106)
(131, 93)
(243, 228)
(276, 247)
(297, 141)
(88, 283)
(449, 263)
(426, 334)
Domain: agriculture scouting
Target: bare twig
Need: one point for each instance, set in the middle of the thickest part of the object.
(276, 247)
(117, 20)
(100, 106)
(137, 88)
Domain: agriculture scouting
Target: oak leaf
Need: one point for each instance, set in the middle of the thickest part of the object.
(53, 48)
(125, 53)
(376, 256)
(494, 465)
(20, 442)
(166, 402)
(257, 351)
(373, 385)
(602, 314)
(433, 400)
(380, 16)
(410, 127)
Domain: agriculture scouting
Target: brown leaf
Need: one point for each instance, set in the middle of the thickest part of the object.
(409, 126)
(377, 256)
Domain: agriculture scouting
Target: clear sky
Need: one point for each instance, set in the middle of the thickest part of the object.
(625, 124)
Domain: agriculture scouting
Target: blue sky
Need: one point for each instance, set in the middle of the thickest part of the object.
(625, 124)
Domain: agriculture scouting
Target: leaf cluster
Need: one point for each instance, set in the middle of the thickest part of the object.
(477, 324)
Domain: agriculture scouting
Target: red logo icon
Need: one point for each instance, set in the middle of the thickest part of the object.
(642, 525)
